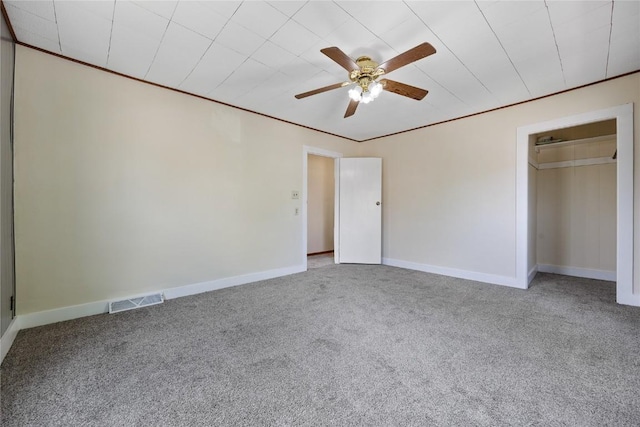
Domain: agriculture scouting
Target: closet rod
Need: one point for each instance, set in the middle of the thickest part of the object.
(575, 141)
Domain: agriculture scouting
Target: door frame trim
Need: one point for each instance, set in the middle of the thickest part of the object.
(316, 151)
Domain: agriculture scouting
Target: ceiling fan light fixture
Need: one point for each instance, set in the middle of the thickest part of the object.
(358, 93)
(375, 88)
(355, 93)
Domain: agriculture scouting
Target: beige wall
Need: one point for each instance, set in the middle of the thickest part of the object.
(449, 196)
(320, 207)
(449, 189)
(123, 187)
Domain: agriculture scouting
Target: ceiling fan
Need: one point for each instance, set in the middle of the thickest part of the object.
(364, 72)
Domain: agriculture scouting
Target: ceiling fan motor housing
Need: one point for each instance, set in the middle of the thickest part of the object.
(368, 72)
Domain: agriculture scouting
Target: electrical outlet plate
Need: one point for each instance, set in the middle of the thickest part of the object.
(295, 194)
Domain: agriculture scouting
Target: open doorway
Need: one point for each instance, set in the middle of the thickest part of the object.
(318, 212)
(527, 197)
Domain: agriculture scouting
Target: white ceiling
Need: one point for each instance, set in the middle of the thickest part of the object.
(257, 55)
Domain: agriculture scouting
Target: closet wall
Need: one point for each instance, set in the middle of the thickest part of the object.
(576, 202)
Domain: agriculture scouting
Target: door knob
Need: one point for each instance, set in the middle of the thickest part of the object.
(377, 203)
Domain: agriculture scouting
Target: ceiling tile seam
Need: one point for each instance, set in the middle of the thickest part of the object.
(210, 44)
(436, 107)
(353, 17)
(203, 53)
(161, 40)
(454, 55)
(266, 65)
(365, 27)
(299, 9)
(141, 4)
(304, 26)
(219, 32)
(248, 88)
(235, 11)
(197, 32)
(229, 75)
(555, 41)
(28, 12)
(502, 46)
(268, 39)
(23, 31)
(113, 17)
(204, 35)
(606, 69)
(300, 56)
(55, 15)
(289, 18)
(442, 86)
(427, 74)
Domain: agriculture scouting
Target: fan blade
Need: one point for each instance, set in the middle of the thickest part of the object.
(403, 89)
(421, 51)
(322, 89)
(340, 58)
(351, 108)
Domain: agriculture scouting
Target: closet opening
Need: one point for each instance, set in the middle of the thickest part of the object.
(528, 165)
(573, 200)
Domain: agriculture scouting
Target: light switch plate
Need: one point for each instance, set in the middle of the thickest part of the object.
(295, 194)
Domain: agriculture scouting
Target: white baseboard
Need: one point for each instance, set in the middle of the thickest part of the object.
(41, 318)
(9, 336)
(587, 273)
(532, 274)
(454, 272)
(61, 314)
(198, 288)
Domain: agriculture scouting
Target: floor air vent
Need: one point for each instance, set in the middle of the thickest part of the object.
(130, 304)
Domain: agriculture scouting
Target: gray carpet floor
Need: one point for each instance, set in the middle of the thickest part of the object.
(339, 345)
(321, 260)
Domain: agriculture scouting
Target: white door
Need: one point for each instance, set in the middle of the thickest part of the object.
(360, 211)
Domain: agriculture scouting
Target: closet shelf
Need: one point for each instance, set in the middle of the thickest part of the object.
(574, 141)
